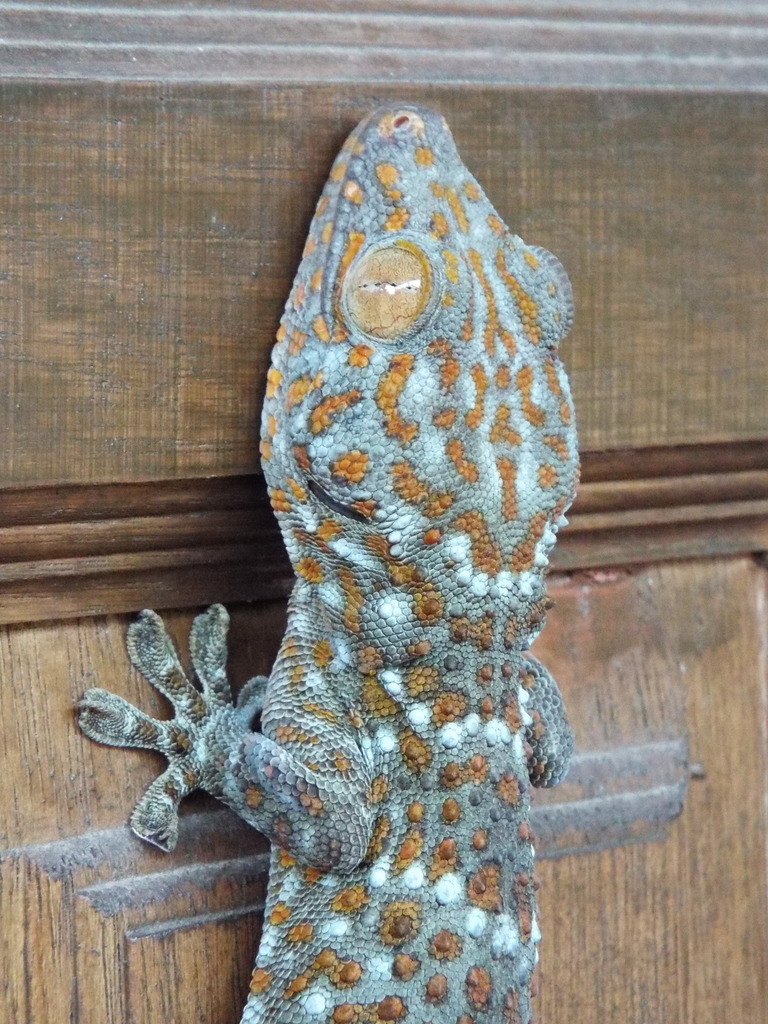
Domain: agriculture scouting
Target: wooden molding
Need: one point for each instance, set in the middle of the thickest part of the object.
(712, 45)
(89, 550)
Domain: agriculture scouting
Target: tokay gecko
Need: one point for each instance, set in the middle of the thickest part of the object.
(420, 452)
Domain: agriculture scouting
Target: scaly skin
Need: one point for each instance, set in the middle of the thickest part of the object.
(419, 448)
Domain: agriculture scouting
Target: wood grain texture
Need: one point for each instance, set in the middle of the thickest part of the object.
(677, 931)
(710, 45)
(150, 234)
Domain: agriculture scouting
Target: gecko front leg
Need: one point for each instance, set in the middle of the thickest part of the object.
(210, 745)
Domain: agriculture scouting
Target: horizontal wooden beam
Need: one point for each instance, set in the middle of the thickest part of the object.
(87, 550)
(711, 45)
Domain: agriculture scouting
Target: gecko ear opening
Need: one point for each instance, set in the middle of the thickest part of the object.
(387, 289)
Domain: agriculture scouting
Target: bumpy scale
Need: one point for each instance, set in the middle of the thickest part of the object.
(419, 447)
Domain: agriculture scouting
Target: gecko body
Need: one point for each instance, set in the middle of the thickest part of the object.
(419, 448)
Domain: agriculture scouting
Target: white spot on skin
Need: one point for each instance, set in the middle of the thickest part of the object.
(315, 1003)
(386, 742)
(414, 876)
(479, 585)
(377, 877)
(419, 715)
(457, 548)
(497, 732)
(535, 930)
(380, 968)
(475, 922)
(392, 611)
(392, 682)
(522, 695)
(472, 724)
(448, 889)
(525, 718)
(506, 937)
(337, 927)
(464, 575)
(450, 735)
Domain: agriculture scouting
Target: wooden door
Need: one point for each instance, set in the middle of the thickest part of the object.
(160, 166)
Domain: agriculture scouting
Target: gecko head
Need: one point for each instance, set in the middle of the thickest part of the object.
(417, 434)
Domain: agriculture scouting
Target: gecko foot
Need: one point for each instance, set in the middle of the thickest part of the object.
(186, 739)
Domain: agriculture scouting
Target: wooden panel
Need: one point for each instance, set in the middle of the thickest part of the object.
(714, 44)
(646, 931)
(150, 234)
(675, 931)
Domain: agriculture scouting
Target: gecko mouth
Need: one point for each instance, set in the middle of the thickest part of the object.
(335, 506)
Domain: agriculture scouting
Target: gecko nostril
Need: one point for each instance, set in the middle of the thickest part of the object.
(401, 121)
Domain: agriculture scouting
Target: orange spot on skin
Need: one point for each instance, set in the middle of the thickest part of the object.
(451, 810)
(349, 900)
(329, 529)
(455, 451)
(296, 342)
(354, 240)
(439, 226)
(279, 500)
(316, 280)
(496, 225)
(322, 653)
(508, 473)
(387, 174)
(396, 220)
(529, 309)
(449, 366)
(471, 191)
(339, 169)
(353, 599)
(451, 266)
(457, 210)
(547, 475)
(479, 987)
(327, 232)
(432, 536)
(351, 466)
(360, 355)
(310, 569)
(280, 913)
(260, 980)
(295, 986)
(474, 417)
(320, 327)
(416, 753)
(484, 887)
(400, 922)
(353, 192)
(424, 156)
(390, 388)
(522, 557)
(444, 418)
(410, 488)
(503, 377)
(273, 381)
(532, 412)
(326, 410)
(501, 430)
(404, 966)
(299, 388)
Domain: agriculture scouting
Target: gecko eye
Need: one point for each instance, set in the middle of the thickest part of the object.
(335, 506)
(387, 289)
